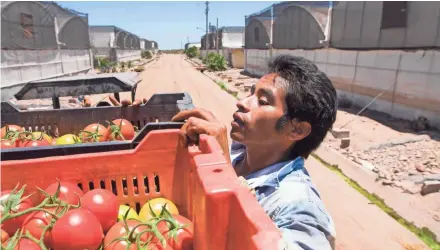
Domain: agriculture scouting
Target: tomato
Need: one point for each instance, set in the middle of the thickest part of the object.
(37, 221)
(12, 225)
(5, 143)
(94, 133)
(131, 215)
(104, 205)
(119, 230)
(26, 244)
(7, 128)
(156, 204)
(69, 192)
(42, 135)
(77, 229)
(26, 142)
(5, 236)
(184, 238)
(67, 139)
(120, 130)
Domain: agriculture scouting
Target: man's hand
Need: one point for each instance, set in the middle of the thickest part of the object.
(126, 102)
(200, 121)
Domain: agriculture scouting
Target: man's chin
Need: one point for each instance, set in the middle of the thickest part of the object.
(236, 136)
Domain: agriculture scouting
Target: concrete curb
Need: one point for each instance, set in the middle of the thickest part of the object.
(413, 208)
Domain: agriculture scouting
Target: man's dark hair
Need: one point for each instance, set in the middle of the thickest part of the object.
(310, 97)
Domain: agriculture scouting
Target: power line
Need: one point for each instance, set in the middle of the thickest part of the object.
(206, 36)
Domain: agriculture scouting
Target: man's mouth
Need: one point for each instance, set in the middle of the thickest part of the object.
(237, 119)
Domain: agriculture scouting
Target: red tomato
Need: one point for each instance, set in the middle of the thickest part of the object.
(119, 230)
(26, 244)
(5, 236)
(7, 128)
(104, 205)
(69, 192)
(77, 229)
(7, 144)
(37, 221)
(27, 143)
(94, 133)
(12, 225)
(184, 239)
(120, 130)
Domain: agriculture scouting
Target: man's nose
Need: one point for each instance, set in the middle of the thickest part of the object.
(244, 104)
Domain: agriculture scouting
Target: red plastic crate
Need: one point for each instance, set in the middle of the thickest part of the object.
(204, 187)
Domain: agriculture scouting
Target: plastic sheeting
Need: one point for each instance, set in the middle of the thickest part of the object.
(42, 25)
(288, 25)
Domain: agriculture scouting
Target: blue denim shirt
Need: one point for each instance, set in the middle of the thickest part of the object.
(287, 194)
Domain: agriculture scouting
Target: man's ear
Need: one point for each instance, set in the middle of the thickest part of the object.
(299, 130)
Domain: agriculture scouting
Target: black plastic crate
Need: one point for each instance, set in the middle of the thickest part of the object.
(57, 122)
(84, 148)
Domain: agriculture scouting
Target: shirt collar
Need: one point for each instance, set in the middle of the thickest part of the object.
(268, 176)
(273, 174)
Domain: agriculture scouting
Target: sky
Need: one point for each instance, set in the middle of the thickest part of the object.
(170, 24)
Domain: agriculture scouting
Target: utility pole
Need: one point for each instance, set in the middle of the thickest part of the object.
(206, 36)
(209, 32)
(216, 37)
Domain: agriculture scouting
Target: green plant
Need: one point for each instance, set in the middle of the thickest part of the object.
(215, 62)
(222, 85)
(122, 65)
(129, 64)
(146, 54)
(103, 63)
(191, 52)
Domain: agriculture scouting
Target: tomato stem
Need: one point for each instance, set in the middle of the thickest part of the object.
(40, 242)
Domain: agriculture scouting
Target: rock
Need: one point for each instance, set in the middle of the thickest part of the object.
(345, 143)
(340, 133)
(433, 164)
(426, 162)
(388, 176)
(409, 187)
(430, 187)
(376, 170)
(387, 182)
(403, 158)
(419, 167)
(381, 174)
(367, 165)
(434, 170)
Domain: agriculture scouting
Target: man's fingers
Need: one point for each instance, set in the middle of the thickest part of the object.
(191, 130)
(137, 103)
(125, 102)
(198, 113)
(114, 101)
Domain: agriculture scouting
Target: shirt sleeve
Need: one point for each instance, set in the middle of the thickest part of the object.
(305, 226)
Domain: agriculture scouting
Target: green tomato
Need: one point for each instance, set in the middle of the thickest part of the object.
(131, 214)
(67, 139)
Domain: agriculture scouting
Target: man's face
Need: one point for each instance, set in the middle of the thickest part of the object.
(256, 119)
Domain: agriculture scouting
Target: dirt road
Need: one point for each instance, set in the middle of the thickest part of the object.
(173, 74)
(359, 225)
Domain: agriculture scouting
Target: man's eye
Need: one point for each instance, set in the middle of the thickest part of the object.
(262, 102)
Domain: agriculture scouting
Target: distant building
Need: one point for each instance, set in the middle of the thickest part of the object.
(41, 40)
(386, 50)
(193, 44)
(228, 37)
(149, 45)
(115, 43)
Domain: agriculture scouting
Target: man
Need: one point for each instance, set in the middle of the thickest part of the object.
(275, 128)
